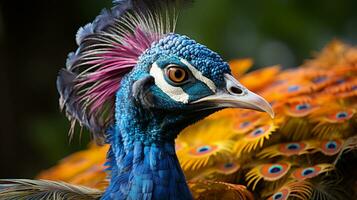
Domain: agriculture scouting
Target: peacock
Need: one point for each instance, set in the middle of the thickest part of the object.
(162, 110)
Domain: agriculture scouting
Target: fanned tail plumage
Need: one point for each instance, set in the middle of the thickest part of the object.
(302, 153)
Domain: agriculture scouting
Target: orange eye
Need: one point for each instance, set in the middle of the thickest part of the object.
(176, 74)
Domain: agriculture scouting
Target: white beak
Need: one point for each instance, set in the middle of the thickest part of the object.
(237, 96)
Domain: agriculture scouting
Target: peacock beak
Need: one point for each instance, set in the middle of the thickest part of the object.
(235, 95)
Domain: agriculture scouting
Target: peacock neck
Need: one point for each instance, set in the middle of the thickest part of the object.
(144, 171)
(142, 159)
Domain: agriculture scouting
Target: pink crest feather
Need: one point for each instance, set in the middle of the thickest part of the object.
(112, 66)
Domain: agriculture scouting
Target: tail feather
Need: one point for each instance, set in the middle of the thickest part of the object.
(11, 189)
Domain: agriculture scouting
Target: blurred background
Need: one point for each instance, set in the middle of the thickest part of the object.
(35, 37)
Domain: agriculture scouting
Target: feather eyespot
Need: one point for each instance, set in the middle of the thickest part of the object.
(303, 106)
(293, 88)
(278, 196)
(331, 147)
(300, 189)
(258, 131)
(195, 156)
(292, 148)
(340, 116)
(202, 150)
(300, 109)
(310, 172)
(243, 127)
(285, 149)
(254, 139)
(176, 74)
(244, 124)
(227, 168)
(340, 81)
(274, 171)
(283, 194)
(354, 87)
(228, 165)
(304, 173)
(267, 172)
(319, 79)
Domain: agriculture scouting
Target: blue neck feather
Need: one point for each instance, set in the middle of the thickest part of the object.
(142, 159)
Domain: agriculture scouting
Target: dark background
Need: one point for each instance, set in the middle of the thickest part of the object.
(35, 37)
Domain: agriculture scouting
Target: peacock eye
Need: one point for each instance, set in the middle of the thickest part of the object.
(176, 74)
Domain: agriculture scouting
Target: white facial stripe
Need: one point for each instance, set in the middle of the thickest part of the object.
(175, 93)
(199, 76)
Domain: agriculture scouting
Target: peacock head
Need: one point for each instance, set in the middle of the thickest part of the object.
(180, 81)
(147, 77)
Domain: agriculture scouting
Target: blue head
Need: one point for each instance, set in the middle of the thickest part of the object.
(176, 82)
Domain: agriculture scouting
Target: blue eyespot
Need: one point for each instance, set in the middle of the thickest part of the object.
(278, 196)
(203, 149)
(331, 145)
(293, 88)
(275, 169)
(354, 87)
(228, 165)
(258, 132)
(244, 124)
(308, 171)
(341, 115)
(293, 146)
(339, 81)
(302, 106)
(319, 79)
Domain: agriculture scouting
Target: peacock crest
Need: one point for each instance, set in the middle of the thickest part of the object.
(108, 49)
